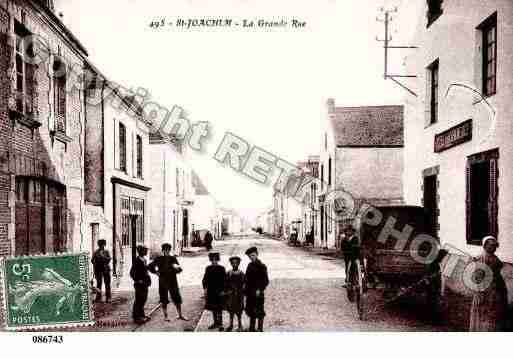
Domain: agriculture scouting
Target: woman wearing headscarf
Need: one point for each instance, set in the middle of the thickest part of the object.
(489, 304)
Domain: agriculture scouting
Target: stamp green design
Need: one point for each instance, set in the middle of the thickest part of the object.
(46, 291)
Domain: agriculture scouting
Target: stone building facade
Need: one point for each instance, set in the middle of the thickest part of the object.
(458, 150)
(363, 157)
(41, 131)
(117, 171)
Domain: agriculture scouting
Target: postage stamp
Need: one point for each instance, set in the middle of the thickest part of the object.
(43, 292)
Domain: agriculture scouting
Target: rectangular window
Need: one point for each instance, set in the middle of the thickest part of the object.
(433, 71)
(21, 190)
(95, 234)
(489, 55)
(35, 191)
(329, 172)
(20, 67)
(122, 147)
(139, 157)
(322, 177)
(482, 196)
(434, 11)
(59, 95)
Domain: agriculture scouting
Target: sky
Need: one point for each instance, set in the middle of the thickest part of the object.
(268, 87)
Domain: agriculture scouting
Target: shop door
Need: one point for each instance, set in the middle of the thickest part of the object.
(56, 216)
(431, 204)
(29, 237)
(185, 228)
(132, 228)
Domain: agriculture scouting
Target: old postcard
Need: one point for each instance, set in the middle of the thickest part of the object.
(255, 166)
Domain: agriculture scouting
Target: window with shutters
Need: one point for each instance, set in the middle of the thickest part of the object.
(432, 93)
(59, 95)
(139, 145)
(489, 54)
(482, 196)
(122, 147)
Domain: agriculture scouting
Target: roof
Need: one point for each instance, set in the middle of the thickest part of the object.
(199, 186)
(58, 22)
(368, 126)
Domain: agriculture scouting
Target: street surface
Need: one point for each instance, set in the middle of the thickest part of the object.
(305, 294)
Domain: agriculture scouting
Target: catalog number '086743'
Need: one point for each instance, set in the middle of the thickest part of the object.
(47, 339)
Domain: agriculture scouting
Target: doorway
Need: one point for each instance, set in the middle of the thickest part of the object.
(431, 203)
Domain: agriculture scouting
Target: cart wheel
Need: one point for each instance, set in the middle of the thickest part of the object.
(360, 292)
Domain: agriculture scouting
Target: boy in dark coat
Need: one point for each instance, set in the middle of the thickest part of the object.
(167, 267)
(101, 268)
(142, 281)
(213, 284)
(235, 292)
(257, 281)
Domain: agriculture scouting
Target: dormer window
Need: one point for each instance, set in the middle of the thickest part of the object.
(434, 11)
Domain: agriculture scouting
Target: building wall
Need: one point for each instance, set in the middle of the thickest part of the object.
(370, 172)
(63, 161)
(166, 185)
(455, 41)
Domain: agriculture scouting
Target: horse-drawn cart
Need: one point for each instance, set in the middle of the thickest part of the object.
(392, 254)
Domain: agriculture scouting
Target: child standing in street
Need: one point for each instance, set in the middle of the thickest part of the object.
(235, 292)
(213, 284)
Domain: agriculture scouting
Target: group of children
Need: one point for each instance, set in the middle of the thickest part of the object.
(226, 290)
(233, 291)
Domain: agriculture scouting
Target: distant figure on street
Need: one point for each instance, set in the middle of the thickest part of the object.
(101, 268)
(213, 285)
(142, 281)
(489, 306)
(348, 245)
(235, 292)
(208, 241)
(257, 281)
(166, 266)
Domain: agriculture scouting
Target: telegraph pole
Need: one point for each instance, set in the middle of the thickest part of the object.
(387, 19)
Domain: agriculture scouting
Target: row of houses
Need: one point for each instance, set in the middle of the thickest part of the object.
(446, 147)
(82, 163)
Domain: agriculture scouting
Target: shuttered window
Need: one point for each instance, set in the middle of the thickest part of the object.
(122, 147)
(59, 91)
(482, 196)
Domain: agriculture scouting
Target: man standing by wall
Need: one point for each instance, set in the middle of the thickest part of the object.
(101, 266)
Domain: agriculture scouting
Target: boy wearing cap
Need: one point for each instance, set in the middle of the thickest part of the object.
(235, 292)
(101, 268)
(166, 266)
(213, 285)
(257, 281)
(142, 281)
